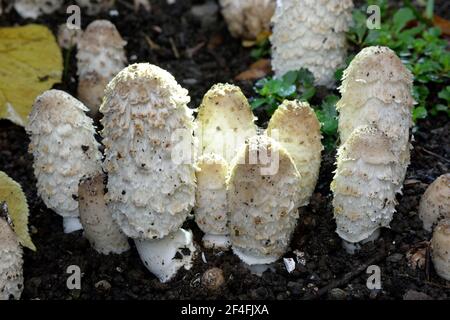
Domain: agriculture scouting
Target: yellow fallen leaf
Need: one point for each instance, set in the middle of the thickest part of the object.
(30, 63)
(11, 193)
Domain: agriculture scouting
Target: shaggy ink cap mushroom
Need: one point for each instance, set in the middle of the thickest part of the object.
(262, 198)
(11, 263)
(100, 56)
(247, 19)
(310, 34)
(151, 185)
(64, 149)
(435, 202)
(99, 228)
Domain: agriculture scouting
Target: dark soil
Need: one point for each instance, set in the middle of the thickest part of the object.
(218, 58)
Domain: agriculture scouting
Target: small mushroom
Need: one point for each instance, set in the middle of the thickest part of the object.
(64, 148)
(296, 127)
(211, 210)
(11, 272)
(94, 7)
(99, 228)
(223, 124)
(247, 19)
(262, 198)
(440, 249)
(148, 138)
(100, 57)
(364, 186)
(435, 202)
(310, 34)
(34, 8)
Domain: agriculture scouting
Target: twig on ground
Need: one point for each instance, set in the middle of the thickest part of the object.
(347, 277)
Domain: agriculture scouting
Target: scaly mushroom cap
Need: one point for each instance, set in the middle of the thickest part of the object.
(224, 121)
(64, 148)
(148, 142)
(262, 197)
(440, 249)
(100, 57)
(11, 272)
(247, 19)
(310, 34)
(211, 197)
(99, 228)
(377, 89)
(435, 202)
(366, 180)
(35, 8)
(94, 7)
(295, 126)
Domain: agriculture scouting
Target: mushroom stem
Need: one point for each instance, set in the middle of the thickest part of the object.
(72, 224)
(164, 257)
(254, 260)
(353, 247)
(216, 241)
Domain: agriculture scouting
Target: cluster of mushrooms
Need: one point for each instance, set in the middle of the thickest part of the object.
(243, 183)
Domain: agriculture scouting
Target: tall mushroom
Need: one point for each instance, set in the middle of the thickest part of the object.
(262, 198)
(374, 114)
(223, 124)
(64, 148)
(296, 127)
(100, 57)
(148, 138)
(310, 34)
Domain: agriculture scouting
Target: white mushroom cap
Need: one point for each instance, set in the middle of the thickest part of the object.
(435, 202)
(64, 149)
(100, 57)
(310, 34)
(35, 8)
(377, 90)
(224, 121)
(99, 227)
(247, 19)
(148, 138)
(211, 199)
(11, 272)
(164, 257)
(296, 127)
(94, 7)
(440, 249)
(367, 178)
(262, 197)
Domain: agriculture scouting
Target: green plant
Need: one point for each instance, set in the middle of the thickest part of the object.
(418, 43)
(271, 92)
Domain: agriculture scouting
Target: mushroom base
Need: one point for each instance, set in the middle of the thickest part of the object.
(251, 260)
(72, 224)
(353, 247)
(164, 257)
(216, 241)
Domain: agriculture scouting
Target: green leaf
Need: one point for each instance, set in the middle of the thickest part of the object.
(419, 113)
(401, 18)
(445, 94)
(290, 77)
(305, 77)
(327, 115)
(257, 102)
